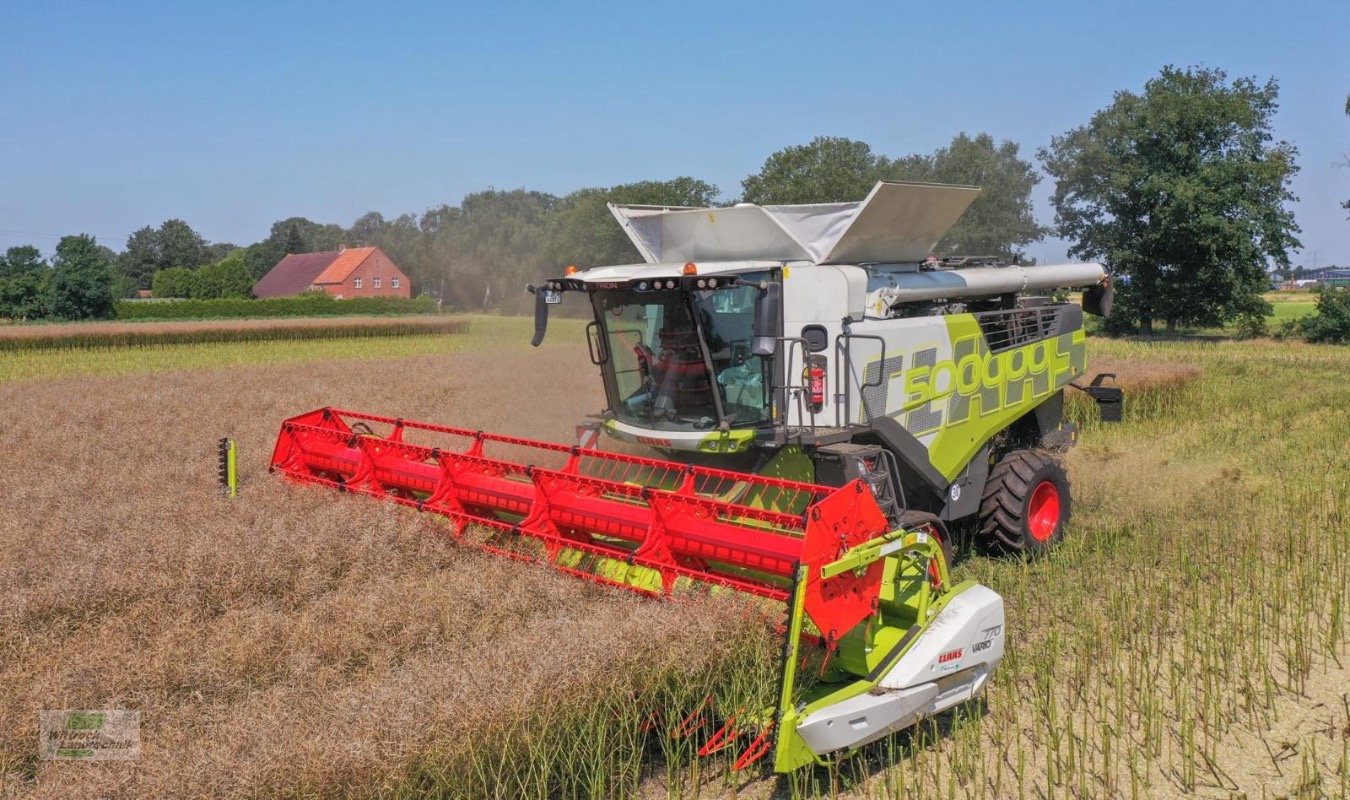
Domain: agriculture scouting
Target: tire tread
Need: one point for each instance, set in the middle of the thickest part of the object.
(1002, 523)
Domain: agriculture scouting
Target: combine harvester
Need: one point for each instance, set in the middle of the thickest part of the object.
(833, 402)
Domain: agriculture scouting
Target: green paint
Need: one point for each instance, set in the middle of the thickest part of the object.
(907, 600)
(981, 393)
(81, 721)
(229, 468)
(611, 569)
(736, 440)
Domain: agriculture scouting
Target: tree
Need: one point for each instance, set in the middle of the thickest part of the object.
(1182, 191)
(26, 296)
(1001, 220)
(81, 282)
(143, 256)
(173, 244)
(831, 169)
(399, 238)
(366, 228)
(586, 234)
(291, 235)
(1331, 322)
(215, 251)
(229, 277)
(180, 245)
(485, 250)
(295, 243)
(21, 260)
(172, 282)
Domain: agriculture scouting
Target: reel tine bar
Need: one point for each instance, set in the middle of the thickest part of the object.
(640, 523)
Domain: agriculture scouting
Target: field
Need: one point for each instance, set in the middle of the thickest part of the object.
(1290, 305)
(80, 335)
(1189, 640)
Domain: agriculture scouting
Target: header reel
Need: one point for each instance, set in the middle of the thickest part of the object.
(870, 602)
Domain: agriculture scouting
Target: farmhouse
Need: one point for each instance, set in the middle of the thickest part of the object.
(343, 273)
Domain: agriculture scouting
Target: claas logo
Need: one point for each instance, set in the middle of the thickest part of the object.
(950, 655)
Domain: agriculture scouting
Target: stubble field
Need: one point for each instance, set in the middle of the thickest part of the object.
(1189, 639)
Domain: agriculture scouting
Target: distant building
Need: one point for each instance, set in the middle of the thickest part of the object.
(343, 273)
(1331, 276)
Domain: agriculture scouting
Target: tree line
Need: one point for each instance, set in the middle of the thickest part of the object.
(1181, 189)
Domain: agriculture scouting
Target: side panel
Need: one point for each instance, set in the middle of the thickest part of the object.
(943, 384)
(817, 296)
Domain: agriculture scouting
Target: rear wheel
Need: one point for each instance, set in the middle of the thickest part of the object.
(1025, 504)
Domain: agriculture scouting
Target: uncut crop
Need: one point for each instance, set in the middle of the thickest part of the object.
(135, 334)
(296, 642)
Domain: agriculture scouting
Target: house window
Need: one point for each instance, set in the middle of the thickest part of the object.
(393, 283)
(356, 284)
(375, 282)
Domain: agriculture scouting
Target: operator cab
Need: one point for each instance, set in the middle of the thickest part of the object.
(679, 360)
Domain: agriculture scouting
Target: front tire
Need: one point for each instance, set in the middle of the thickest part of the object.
(1026, 504)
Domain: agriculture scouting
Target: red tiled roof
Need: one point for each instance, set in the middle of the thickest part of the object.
(294, 274)
(347, 261)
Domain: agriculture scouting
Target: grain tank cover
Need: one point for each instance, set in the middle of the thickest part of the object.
(896, 223)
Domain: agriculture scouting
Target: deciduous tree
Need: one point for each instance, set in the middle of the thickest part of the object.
(829, 169)
(172, 282)
(832, 169)
(229, 277)
(586, 234)
(1183, 192)
(173, 244)
(485, 250)
(21, 260)
(1001, 221)
(81, 280)
(289, 236)
(26, 296)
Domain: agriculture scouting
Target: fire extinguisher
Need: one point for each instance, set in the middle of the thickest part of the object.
(813, 375)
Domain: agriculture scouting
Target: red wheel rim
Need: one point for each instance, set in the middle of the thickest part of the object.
(1043, 511)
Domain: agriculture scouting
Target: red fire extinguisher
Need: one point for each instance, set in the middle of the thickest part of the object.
(813, 375)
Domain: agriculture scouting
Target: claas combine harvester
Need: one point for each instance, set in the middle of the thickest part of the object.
(830, 403)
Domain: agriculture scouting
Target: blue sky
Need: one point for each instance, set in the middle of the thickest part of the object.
(234, 115)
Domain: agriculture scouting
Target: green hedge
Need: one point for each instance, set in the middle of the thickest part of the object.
(306, 305)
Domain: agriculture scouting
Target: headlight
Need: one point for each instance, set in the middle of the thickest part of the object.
(642, 286)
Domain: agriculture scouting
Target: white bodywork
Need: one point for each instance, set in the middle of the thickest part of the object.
(896, 222)
(871, 298)
(916, 285)
(848, 268)
(948, 664)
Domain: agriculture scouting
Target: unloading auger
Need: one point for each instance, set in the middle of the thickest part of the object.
(899, 640)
